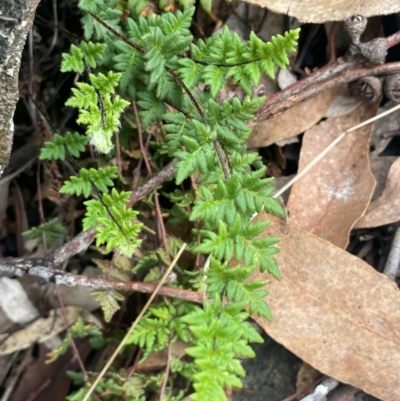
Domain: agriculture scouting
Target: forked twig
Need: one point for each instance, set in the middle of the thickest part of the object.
(135, 323)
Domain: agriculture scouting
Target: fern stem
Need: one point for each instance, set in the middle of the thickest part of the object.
(221, 160)
(140, 134)
(67, 325)
(117, 34)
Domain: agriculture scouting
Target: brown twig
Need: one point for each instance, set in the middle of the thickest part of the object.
(13, 379)
(140, 135)
(67, 325)
(332, 37)
(40, 204)
(77, 245)
(166, 173)
(160, 220)
(162, 227)
(286, 98)
(118, 153)
(18, 218)
(44, 268)
(347, 75)
(167, 368)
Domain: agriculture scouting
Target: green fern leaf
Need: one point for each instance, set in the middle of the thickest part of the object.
(73, 61)
(51, 229)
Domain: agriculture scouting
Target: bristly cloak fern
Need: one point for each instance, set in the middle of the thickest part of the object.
(162, 69)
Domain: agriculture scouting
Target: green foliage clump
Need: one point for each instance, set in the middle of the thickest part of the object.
(73, 143)
(115, 224)
(52, 230)
(155, 64)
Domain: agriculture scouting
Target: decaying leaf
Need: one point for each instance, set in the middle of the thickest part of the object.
(292, 122)
(333, 195)
(334, 311)
(384, 125)
(380, 167)
(318, 11)
(40, 330)
(385, 209)
(158, 360)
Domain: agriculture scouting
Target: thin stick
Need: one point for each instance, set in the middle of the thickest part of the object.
(167, 368)
(331, 146)
(130, 331)
(140, 134)
(68, 328)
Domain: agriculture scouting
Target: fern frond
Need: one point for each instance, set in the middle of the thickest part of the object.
(55, 149)
(101, 179)
(115, 224)
(51, 229)
(108, 301)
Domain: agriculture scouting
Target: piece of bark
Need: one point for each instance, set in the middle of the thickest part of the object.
(16, 17)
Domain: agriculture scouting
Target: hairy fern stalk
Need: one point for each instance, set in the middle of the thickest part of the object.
(175, 82)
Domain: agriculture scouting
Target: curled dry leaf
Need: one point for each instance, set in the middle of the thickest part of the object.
(334, 311)
(386, 125)
(385, 209)
(291, 122)
(40, 330)
(333, 195)
(380, 167)
(318, 11)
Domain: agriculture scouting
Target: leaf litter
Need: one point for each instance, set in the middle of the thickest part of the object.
(340, 184)
(334, 311)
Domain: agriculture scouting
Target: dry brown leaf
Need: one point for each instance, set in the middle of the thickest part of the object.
(158, 360)
(292, 122)
(334, 311)
(318, 11)
(384, 125)
(333, 195)
(386, 209)
(380, 167)
(306, 380)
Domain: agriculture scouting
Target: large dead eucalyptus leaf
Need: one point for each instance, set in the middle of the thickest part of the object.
(334, 311)
(386, 209)
(318, 11)
(333, 195)
(291, 122)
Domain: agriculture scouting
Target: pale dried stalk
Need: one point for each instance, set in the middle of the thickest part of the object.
(130, 331)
